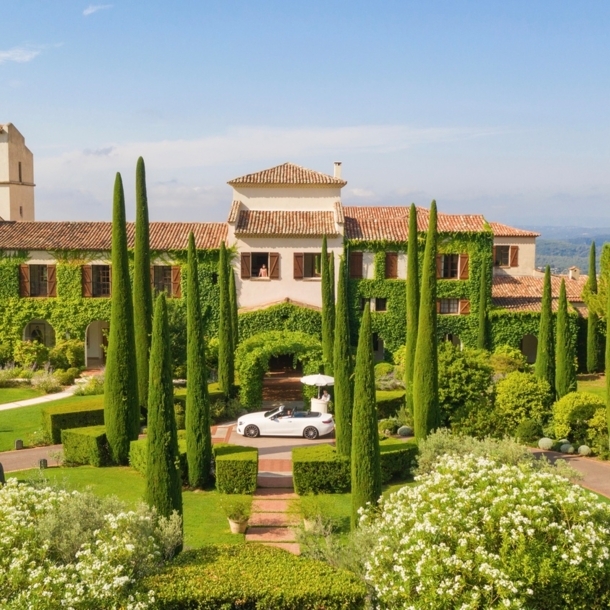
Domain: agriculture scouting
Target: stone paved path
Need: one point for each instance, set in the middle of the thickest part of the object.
(38, 400)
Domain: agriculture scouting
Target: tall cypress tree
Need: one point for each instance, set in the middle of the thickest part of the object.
(482, 338)
(593, 364)
(198, 435)
(121, 407)
(226, 366)
(565, 379)
(163, 482)
(426, 413)
(545, 353)
(412, 305)
(328, 310)
(233, 303)
(142, 290)
(343, 391)
(607, 367)
(366, 470)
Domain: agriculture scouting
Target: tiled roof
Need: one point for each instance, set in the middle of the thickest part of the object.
(339, 215)
(285, 223)
(500, 230)
(525, 293)
(234, 211)
(94, 236)
(287, 173)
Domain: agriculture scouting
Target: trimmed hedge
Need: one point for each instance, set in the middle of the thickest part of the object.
(86, 446)
(138, 454)
(389, 402)
(236, 468)
(63, 417)
(320, 469)
(252, 576)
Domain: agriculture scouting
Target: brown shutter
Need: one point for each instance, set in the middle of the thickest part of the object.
(176, 281)
(464, 306)
(514, 256)
(245, 266)
(87, 280)
(391, 265)
(463, 266)
(438, 306)
(274, 265)
(355, 265)
(298, 265)
(24, 280)
(51, 281)
(439, 265)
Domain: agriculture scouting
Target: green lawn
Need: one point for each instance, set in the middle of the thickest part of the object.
(204, 521)
(596, 384)
(17, 394)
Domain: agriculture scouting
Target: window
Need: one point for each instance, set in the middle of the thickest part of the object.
(381, 304)
(391, 265)
(38, 281)
(260, 265)
(449, 306)
(502, 256)
(20, 211)
(375, 342)
(20, 176)
(100, 280)
(312, 264)
(162, 279)
(449, 266)
(214, 278)
(363, 303)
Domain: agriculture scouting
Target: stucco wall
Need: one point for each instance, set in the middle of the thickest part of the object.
(14, 193)
(527, 255)
(288, 198)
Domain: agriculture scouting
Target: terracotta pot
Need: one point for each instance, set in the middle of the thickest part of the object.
(238, 527)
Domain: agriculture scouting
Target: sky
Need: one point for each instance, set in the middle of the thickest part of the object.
(499, 108)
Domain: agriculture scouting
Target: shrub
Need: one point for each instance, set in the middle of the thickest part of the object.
(391, 425)
(479, 534)
(528, 431)
(236, 468)
(61, 417)
(6, 354)
(236, 507)
(399, 357)
(66, 377)
(30, 353)
(138, 456)
(397, 459)
(507, 359)
(546, 444)
(46, 382)
(597, 432)
(571, 414)
(383, 369)
(320, 469)
(68, 354)
(180, 412)
(8, 375)
(92, 387)
(389, 403)
(86, 446)
(211, 353)
(253, 576)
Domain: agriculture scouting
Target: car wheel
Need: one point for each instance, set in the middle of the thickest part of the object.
(310, 433)
(251, 431)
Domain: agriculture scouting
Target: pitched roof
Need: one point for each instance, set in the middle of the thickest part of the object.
(287, 173)
(234, 211)
(500, 230)
(94, 236)
(285, 223)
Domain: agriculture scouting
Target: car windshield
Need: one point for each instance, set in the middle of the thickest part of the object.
(272, 412)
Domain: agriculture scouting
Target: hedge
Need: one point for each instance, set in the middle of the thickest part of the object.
(236, 468)
(86, 446)
(63, 417)
(320, 469)
(389, 402)
(138, 454)
(252, 576)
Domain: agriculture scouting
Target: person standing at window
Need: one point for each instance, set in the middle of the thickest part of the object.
(263, 271)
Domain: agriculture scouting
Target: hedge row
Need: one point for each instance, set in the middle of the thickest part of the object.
(252, 576)
(63, 417)
(236, 468)
(389, 403)
(138, 456)
(86, 446)
(320, 469)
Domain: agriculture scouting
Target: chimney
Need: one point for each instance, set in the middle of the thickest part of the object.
(573, 273)
(337, 172)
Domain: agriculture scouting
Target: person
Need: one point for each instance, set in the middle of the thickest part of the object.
(325, 396)
(262, 271)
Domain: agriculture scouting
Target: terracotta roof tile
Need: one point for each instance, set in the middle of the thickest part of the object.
(339, 214)
(234, 211)
(98, 235)
(500, 230)
(285, 223)
(287, 173)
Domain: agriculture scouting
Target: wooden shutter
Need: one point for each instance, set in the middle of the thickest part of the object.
(439, 265)
(514, 256)
(438, 306)
(245, 266)
(298, 265)
(176, 281)
(87, 280)
(24, 280)
(464, 306)
(51, 280)
(355, 265)
(463, 267)
(391, 265)
(274, 265)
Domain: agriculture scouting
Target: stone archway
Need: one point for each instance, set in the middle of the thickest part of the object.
(39, 331)
(96, 341)
(529, 347)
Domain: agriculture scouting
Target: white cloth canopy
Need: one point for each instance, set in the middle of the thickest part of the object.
(319, 380)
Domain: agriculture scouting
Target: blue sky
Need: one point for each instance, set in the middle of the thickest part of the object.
(490, 107)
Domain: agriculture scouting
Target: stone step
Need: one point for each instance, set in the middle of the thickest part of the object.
(270, 534)
(266, 505)
(273, 493)
(273, 480)
(291, 547)
(273, 519)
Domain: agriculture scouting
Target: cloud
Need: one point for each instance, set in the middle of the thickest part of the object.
(361, 193)
(99, 152)
(20, 55)
(94, 8)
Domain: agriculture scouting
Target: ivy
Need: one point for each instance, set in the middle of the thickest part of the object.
(284, 316)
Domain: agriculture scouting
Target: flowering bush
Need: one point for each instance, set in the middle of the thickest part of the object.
(73, 550)
(478, 534)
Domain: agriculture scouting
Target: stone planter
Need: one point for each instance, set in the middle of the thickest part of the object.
(238, 527)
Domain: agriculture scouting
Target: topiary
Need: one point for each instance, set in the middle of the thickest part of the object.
(566, 448)
(383, 369)
(528, 431)
(545, 444)
(67, 354)
(405, 431)
(571, 414)
(584, 450)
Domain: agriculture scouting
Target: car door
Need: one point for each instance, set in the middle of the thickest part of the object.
(285, 425)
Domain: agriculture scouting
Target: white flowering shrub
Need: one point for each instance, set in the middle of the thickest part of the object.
(90, 559)
(478, 534)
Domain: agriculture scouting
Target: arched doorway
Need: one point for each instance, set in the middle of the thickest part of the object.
(39, 331)
(96, 342)
(529, 347)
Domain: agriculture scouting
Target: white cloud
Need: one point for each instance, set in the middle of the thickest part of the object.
(362, 193)
(94, 8)
(20, 55)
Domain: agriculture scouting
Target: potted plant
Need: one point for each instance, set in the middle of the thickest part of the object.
(311, 511)
(237, 510)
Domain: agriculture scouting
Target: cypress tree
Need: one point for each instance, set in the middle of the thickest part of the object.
(366, 470)
(607, 367)
(343, 394)
(142, 290)
(545, 353)
(593, 319)
(426, 413)
(121, 408)
(226, 366)
(482, 339)
(328, 310)
(233, 302)
(163, 482)
(198, 435)
(412, 305)
(565, 379)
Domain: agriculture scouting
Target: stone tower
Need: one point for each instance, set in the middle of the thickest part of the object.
(16, 176)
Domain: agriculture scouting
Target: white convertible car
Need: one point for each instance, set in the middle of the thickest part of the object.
(285, 422)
